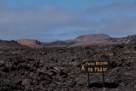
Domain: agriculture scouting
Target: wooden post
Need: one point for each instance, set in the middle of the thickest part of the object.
(88, 81)
(103, 78)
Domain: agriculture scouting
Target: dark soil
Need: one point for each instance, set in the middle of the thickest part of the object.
(58, 69)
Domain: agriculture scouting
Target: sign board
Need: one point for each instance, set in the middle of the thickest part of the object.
(99, 66)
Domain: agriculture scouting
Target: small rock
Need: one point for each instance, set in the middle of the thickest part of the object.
(25, 82)
(122, 84)
(72, 84)
(5, 69)
(134, 86)
(16, 81)
(63, 74)
(82, 83)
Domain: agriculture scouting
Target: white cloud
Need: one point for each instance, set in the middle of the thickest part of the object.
(116, 19)
(35, 20)
(114, 7)
(121, 25)
(48, 15)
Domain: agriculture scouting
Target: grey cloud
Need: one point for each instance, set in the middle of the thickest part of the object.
(47, 16)
(82, 32)
(25, 22)
(72, 34)
(13, 35)
(85, 32)
(121, 25)
(115, 27)
(116, 7)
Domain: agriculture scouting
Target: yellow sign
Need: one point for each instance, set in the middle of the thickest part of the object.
(83, 68)
(95, 66)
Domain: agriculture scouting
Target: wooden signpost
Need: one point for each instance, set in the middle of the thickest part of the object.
(99, 66)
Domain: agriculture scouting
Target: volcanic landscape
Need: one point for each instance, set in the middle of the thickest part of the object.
(38, 66)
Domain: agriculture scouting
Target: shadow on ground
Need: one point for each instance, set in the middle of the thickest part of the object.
(107, 85)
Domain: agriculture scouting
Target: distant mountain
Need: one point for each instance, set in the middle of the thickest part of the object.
(11, 44)
(93, 37)
(59, 43)
(84, 40)
(31, 43)
(128, 39)
(37, 44)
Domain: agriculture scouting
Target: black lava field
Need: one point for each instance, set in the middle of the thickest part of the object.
(58, 69)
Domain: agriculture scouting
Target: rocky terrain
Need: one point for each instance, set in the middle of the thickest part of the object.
(58, 69)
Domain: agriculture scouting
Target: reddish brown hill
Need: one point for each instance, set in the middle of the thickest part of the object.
(102, 39)
(11, 44)
(38, 44)
(30, 43)
(93, 37)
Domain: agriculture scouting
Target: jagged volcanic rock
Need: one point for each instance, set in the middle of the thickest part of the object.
(58, 69)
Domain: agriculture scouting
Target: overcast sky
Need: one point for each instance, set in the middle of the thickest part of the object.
(51, 20)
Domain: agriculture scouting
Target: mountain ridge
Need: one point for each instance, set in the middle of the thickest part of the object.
(11, 44)
(83, 40)
(93, 37)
